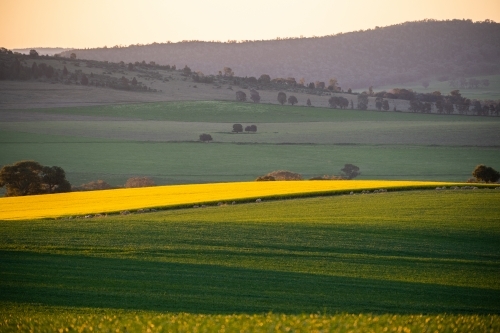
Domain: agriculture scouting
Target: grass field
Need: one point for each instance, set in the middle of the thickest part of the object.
(392, 256)
(114, 143)
(231, 112)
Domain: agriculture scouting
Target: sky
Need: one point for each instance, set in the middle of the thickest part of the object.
(98, 23)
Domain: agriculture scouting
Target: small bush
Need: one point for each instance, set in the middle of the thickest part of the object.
(93, 186)
(284, 175)
(265, 178)
(139, 182)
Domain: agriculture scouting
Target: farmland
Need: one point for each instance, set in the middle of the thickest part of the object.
(160, 140)
(392, 256)
(113, 201)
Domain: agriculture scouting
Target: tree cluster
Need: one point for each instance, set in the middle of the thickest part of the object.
(338, 102)
(30, 177)
(205, 137)
(486, 174)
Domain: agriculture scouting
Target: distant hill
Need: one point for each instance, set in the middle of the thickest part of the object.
(42, 50)
(396, 54)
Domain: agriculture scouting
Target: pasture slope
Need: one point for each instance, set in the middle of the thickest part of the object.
(417, 261)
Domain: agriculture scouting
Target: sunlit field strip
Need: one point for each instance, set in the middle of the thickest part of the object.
(77, 203)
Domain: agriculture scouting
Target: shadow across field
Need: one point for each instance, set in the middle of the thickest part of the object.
(81, 281)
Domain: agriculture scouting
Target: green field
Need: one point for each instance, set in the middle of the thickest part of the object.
(400, 253)
(158, 140)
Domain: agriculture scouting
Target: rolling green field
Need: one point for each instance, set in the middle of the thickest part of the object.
(158, 140)
(393, 256)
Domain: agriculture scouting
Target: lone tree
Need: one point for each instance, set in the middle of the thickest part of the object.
(282, 97)
(54, 180)
(350, 171)
(308, 102)
(363, 101)
(30, 177)
(385, 105)
(237, 128)
(486, 174)
(292, 100)
(205, 137)
(241, 96)
(72, 56)
(33, 54)
(254, 96)
(251, 128)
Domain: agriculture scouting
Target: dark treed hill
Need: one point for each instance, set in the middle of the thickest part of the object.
(388, 55)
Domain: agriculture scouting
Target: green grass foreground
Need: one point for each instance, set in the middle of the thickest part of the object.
(263, 267)
(36, 319)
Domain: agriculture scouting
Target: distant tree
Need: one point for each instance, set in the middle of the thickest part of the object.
(333, 84)
(65, 71)
(228, 72)
(84, 80)
(49, 71)
(427, 108)
(254, 96)
(349, 91)
(319, 85)
(134, 81)
(237, 128)
(343, 102)
(241, 96)
(34, 70)
(385, 105)
(378, 103)
(350, 171)
(281, 97)
(205, 137)
(308, 102)
(370, 91)
(362, 101)
(54, 180)
(186, 70)
(21, 178)
(130, 67)
(448, 107)
(486, 110)
(33, 54)
(311, 85)
(486, 174)
(264, 79)
(416, 106)
(440, 106)
(251, 128)
(72, 56)
(477, 108)
(425, 84)
(292, 100)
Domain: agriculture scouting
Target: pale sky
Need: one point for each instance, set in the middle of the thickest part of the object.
(97, 23)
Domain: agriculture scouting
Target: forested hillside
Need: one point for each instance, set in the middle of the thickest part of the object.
(387, 55)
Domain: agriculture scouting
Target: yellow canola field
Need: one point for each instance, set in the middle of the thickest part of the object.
(107, 201)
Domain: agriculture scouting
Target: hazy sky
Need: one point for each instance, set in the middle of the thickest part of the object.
(96, 23)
